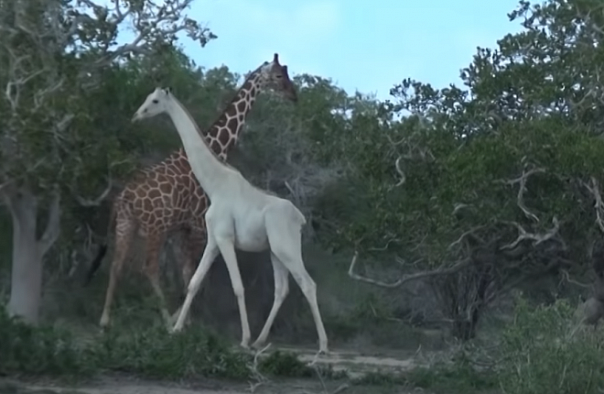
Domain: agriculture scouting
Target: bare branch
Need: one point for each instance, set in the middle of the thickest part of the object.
(385, 247)
(566, 276)
(594, 189)
(406, 278)
(95, 202)
(459, 206)
(537, 238)
(522, 179)
(393, 143)
(397, 166)
(463, 236)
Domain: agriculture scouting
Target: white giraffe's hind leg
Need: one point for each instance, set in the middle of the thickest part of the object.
(281, 275)
(285, 240)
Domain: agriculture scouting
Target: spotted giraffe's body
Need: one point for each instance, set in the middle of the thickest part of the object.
(166, 198)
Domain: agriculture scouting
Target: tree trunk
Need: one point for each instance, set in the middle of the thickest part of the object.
(29, 251)
(26, 278)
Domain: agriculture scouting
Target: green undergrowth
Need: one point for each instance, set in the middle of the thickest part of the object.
(52, 351)
(535, 353)
(446, 379)
(154, 353)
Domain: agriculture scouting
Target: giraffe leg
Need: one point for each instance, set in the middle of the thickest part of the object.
(286, 244)
(181, 255)
(192, 246)
(124, 233)
(227, 249)
(154, 243)
(209, 255)
(281, 276)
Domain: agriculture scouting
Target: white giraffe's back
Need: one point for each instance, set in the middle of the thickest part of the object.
(247, 209)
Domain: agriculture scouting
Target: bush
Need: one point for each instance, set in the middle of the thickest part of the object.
(39, 350)
(150, 352)
(538, 355)
(156, 353)
(47, 350)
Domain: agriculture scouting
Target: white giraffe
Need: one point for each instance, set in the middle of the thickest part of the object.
(240, 216)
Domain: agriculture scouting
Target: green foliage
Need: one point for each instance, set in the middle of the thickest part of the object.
(460, 378)
(75, 93)
(46, 350)
(39, 350)
(146, 352)
(538, 355)
(156, 353)
(439, 378)
(285, 364)
(461, 147)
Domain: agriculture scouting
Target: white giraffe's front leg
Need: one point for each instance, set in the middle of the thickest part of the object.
(227, 249)
(209, 255)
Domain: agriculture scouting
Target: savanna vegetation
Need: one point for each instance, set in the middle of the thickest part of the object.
(455, 227)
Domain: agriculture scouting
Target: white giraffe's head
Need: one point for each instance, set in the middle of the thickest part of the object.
(155, 104)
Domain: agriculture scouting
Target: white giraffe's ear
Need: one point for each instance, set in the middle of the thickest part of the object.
(168, 90)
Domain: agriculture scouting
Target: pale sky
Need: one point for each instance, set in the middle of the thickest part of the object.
(361, 45)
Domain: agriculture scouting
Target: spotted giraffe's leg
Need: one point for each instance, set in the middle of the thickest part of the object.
(192, 244)
(155, 241)
(124, 233)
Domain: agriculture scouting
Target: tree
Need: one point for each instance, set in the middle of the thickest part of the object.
(54, 56)
(492, 185)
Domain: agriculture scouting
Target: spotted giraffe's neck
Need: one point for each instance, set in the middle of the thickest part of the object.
(224, 133)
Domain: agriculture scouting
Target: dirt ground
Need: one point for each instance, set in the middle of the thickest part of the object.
(130, 386)
(356, 365)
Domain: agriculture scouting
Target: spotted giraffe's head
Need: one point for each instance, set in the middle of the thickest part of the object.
(275, 77)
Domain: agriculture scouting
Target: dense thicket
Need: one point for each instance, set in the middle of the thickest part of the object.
(493, 182)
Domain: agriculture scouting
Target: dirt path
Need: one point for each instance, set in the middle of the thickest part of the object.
(358, 364)
(355, 364)
(112, 385)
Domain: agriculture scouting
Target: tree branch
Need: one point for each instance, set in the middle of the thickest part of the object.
(522, 179)
(406, 278)
(397, 166)
(94, 202)
(566, 276)
(594, 189)
(537, 238)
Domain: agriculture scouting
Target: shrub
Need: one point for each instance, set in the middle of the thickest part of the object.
(39, 350)
(150, 352)
(538, 355)
(47, 350)
(156, 353)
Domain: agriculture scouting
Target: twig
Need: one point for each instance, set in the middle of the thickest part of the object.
(261, 379)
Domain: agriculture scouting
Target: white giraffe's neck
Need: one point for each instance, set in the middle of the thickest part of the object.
(210, 172)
